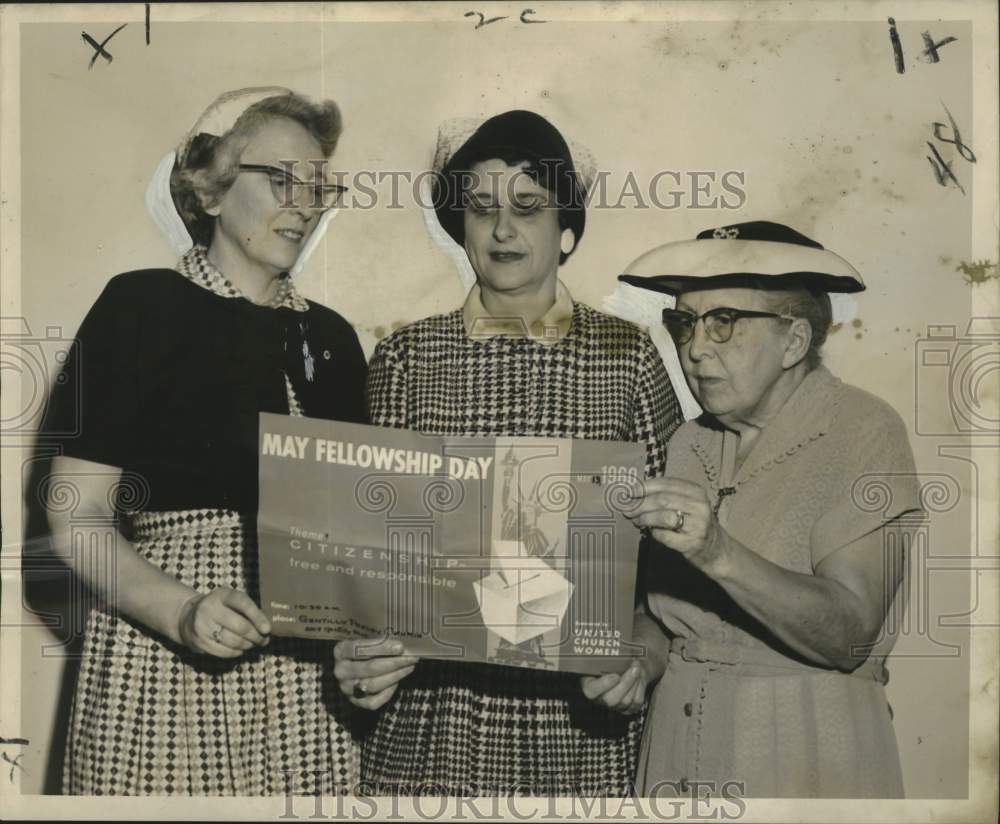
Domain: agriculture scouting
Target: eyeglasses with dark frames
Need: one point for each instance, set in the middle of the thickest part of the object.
(718, 322)
(292, 193)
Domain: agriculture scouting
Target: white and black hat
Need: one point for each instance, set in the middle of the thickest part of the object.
(733, 255)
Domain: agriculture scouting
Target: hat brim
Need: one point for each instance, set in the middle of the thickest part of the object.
(720, 263)
(674, 285)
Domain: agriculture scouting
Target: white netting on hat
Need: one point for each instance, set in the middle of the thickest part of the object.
(453, 133)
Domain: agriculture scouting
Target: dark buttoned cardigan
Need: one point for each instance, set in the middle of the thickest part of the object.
(166, 379)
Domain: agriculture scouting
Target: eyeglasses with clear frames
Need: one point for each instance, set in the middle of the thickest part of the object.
(292, 193)
(718, 322)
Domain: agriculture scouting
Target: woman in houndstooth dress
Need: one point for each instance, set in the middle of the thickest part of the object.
(521, 357)
(181, 688)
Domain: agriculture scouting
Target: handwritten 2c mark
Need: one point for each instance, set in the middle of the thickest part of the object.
(485, 21)
(99, 50)
(482, 19)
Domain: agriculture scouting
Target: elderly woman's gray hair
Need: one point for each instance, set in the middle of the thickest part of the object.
(812, 305)
(211, 162)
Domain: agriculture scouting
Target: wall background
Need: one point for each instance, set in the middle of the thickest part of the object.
(831, 138)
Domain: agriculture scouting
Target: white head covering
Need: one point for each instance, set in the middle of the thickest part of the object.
(216, 120)
(646, 309)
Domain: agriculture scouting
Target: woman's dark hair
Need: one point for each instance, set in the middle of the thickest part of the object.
(516, 137)
(212, 163)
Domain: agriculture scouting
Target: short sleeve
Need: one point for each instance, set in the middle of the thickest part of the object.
(880, 486)
(93, 405)
(657, 412)
(387, 404)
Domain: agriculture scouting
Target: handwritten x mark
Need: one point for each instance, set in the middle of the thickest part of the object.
(482, 20)
(99, 50)
(14, 763)
(930, 52)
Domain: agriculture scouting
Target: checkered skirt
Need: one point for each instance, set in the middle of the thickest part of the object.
(455, 728)
(152, 718)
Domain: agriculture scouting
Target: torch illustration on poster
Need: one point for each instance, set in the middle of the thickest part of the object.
(511, 551)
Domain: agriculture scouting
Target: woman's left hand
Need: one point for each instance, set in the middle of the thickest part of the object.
(679, 515)
(625, 693)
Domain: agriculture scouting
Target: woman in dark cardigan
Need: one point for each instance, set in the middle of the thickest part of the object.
(181, 689)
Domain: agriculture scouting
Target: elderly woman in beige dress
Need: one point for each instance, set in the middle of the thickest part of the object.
(773, 576)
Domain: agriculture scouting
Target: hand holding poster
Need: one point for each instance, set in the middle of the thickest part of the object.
(507, 550)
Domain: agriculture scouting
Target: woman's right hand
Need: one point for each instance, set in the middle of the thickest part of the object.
(224, 623)
(622, 692)
(369, 672)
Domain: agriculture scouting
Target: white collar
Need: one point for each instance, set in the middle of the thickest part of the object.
(197, 268)
(551, 327)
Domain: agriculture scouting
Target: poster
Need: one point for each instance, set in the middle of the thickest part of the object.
(512, 551)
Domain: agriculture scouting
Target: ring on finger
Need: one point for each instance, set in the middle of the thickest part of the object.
(679, 522)
(217, 634)
(360, 690)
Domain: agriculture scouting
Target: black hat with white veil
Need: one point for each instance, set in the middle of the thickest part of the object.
(517, 136)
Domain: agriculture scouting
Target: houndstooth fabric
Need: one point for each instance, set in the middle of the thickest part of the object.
(197, 268)
(457, 728)
(152, 718)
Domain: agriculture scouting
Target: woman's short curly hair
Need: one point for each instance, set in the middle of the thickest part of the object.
(211, 163)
